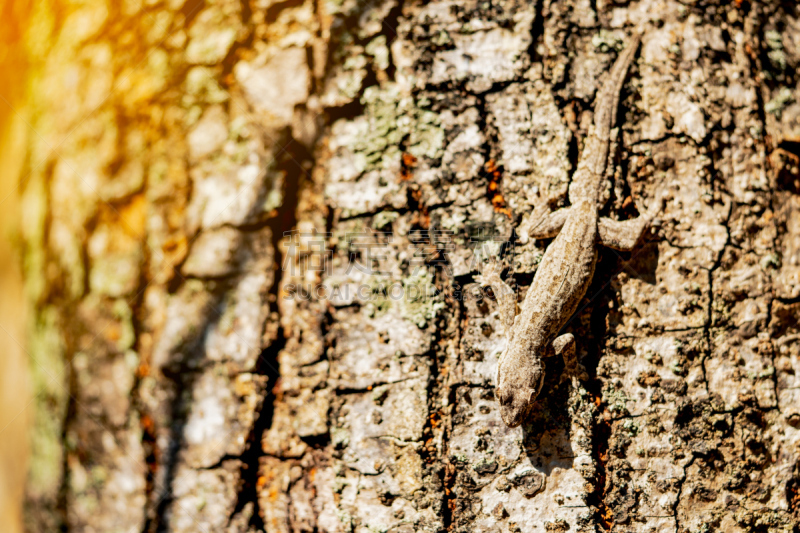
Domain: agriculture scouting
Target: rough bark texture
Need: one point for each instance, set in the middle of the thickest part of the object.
(188, 374)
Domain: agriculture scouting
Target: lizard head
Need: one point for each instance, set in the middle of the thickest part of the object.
(516, 391)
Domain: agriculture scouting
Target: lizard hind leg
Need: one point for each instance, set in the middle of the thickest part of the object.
(623, 235)
(542, 224)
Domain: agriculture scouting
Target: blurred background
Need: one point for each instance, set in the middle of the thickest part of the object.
(15, 398)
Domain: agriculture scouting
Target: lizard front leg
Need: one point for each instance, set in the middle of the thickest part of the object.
(564, 346)
(542, 224)
(503, 293)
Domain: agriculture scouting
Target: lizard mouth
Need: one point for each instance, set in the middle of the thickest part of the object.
(512, 418)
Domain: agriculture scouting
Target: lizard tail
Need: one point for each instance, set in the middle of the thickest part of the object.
(608, 97)
(594, 158)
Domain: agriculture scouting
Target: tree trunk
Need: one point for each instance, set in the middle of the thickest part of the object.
(250, 238)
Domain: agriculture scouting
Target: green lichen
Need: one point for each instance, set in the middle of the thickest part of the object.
(604, 41)
(766, 373)
(379, 51)
(771, 261)
(379, 394)
(394, 120)
(127, 335)
(70, 257)
(442, 39)
(381, 144)
(345, 518)
(776, 106)
(677, 368)
(379, 299)
(115, 274)
(777, 57)
(421, 301)
(212, 35)
(340, 438)
(384, 219)
(333, 6)
(202, 86)
(33, 211)
(354, 70)
(616, 399)
(427, 138)
(631, 427)
(344, 236)
(485, 466)
(49, 388)
(416, 297)
(722, 311)
(98, 475)
(274, 200)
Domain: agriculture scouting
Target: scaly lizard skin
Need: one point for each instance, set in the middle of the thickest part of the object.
(567, 266)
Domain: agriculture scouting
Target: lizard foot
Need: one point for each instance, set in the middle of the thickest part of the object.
(623, 235)
(542, 223)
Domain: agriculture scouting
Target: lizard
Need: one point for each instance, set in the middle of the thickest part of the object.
(567, 266)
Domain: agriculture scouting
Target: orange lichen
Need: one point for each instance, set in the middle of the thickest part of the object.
(606, 518)
(146, 423)
(277, 390)
(435, 420)
(143, 370)
(133, 216)
(407, 164)
(113, 332)
(421, 218)
(493, 189)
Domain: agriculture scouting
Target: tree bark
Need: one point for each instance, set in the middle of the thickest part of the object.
(250, 235)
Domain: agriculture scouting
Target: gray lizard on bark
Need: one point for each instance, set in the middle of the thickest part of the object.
(567, 267)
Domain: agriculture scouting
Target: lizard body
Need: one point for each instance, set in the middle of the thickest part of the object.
(566, 269)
